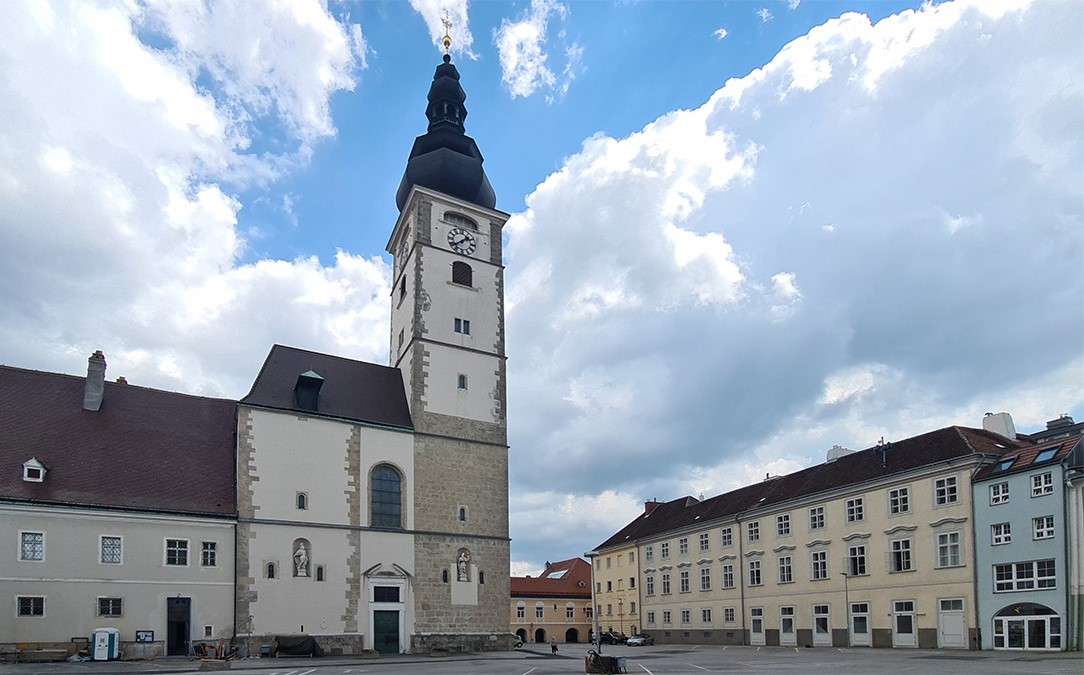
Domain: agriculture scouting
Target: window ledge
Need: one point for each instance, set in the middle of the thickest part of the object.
(464, 287)
(902, 571)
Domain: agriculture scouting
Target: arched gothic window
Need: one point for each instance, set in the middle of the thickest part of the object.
(459, 220)
(302, 501)
(386, 497)
(462, 273)
(270, 570)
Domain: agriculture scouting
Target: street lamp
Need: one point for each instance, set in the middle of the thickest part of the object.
(847, 602)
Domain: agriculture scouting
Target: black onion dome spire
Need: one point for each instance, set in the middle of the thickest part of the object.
(445, 158)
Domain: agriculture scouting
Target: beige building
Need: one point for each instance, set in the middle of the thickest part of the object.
(871, 548)
(616, 578)
(554, 606)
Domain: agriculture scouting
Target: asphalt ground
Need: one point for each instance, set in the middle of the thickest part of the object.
(657, 660)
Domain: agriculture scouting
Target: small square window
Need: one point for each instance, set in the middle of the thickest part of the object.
(110, 607)
(112, 550)
(177, 552)
(209, 554)
(32, 546)
(208, 631)
(462, 326)
(31, 605)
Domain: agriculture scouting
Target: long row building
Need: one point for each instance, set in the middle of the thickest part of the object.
(957, 538)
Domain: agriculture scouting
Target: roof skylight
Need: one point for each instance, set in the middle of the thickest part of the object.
(1046, 455)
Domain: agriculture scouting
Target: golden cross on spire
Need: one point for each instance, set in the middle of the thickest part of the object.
(447, 39)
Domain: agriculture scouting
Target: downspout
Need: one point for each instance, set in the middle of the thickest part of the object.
(974, 564)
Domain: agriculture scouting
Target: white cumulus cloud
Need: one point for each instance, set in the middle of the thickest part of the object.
(524, 48)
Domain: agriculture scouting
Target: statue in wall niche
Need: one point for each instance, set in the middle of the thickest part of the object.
(462, 566)
(301, 561)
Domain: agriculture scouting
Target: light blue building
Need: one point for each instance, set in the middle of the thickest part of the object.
(1022, 547)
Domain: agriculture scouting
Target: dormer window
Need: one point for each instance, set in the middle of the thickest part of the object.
(307, 390)
(33, 471)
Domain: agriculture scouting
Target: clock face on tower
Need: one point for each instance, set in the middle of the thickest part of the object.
(461, 241)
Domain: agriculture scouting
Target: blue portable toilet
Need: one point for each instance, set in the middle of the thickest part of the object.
(105, 644)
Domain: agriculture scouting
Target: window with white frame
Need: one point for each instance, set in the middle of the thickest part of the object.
(900, 557)
(1043, 527)
(705, 615)
(521, 612)
(649, 585)
(948, 549)
(110, 607)
(753, 529)
(666, 616)
(666, 584)
(570, 612)
(728, 575)
(1024, 576)
(32, 546)
(705, 578)
(754, 573)
(649, 553)
(818, 561)
(209, 554)
(899, 500)
(685, 616)
(632, 557)
(177, 552)
(856, 561)
(1042, 484)
(1000, 533)
(786, 571)
(664, 550)
(651, 618)
(462, 326)
(726, 537)
(111, 550)
(816, 518)
(705, 541)
(683, 581)
(946, 491)
(208, 631)
(782, 525)
(30, 605)
(999, 493)
(540, 611)
(632, 607)
(683, 546)
(33, 471)
(856, 510)
(728, 614)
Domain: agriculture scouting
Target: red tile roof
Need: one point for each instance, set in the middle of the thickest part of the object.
(858, 467)
(575, 582)
(1024, 459)
(146, 449)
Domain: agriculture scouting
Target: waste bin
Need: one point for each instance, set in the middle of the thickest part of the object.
(105, 644)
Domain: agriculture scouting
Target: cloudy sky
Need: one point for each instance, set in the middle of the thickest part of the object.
(741, 232)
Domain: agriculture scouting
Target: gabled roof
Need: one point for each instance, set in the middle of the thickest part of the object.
(852, 469)
(1024, 459)
(352, 390)
(566, 579)
(145, 449)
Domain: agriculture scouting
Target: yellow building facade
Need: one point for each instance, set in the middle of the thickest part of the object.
(555, 606)
(616, 577)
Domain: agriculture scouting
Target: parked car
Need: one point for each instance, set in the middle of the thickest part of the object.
(613, 638)
(640, 640)
(517, 642)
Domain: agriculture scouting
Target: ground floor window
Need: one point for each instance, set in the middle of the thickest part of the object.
(1027, 625)
(109, 606)
(31, 605)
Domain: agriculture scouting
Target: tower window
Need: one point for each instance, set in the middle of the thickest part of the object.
(319, 572)
(402, 289)
(462, 514)
(462, 381)
(462, 326)
(270, 570)
(401, 335)
(462, 273)
(459, 220)
(481, 577)
(444, 576)
(302, 501)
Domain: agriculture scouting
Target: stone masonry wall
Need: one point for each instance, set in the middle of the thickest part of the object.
(450, 473)
(434, 613)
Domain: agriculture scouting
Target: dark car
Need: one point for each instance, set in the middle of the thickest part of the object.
(613, 638)
(640, 640)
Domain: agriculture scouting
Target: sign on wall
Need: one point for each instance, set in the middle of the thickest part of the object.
(144, 636)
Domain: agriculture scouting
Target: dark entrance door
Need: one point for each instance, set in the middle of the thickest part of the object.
(386, 631)
(178, 628)
(572, 636)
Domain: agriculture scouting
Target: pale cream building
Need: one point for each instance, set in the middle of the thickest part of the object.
(871, 548)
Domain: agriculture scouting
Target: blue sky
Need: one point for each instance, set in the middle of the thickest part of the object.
(641, 60)
(723, 257)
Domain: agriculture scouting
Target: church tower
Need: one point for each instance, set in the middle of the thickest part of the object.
(447, 340)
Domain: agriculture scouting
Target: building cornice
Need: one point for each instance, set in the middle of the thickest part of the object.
(818, 542)
(856, 535)
(901, 528)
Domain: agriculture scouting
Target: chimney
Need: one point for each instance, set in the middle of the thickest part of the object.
(835, 452)
(122, 380)
(1000, 424)
(650, 505)
(94, 389)
(1061, 421)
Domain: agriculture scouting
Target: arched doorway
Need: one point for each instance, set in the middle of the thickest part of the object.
(522, 634)
(572, 636)
(540, 636)
(1027, 625)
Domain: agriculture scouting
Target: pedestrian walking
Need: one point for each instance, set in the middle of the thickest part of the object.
(553, 647)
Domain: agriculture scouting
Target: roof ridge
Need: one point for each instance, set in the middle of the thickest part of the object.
(330, 356)
(126, 384)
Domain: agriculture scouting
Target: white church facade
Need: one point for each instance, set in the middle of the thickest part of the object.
(363, 505)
